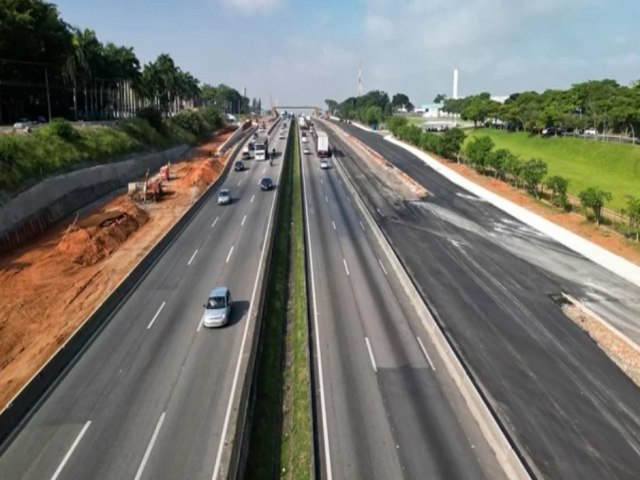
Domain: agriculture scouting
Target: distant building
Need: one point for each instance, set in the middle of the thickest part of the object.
(500, 98)
(431, 110)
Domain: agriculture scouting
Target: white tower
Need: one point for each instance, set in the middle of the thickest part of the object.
(360, 88)
(455, 83)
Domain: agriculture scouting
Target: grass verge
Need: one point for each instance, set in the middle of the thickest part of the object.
(613, 167)
(281, 433)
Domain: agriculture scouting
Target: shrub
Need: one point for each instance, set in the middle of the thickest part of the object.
(594, 198)
(395, 123)
(558, 186)
(62, 128)
(451, 143)
(533, 171)
(430, 142)
(479, 152)
(154, 117)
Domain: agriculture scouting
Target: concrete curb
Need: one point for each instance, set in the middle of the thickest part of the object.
(234, 456)
(26, 401)
(491, 427)
(618, 265)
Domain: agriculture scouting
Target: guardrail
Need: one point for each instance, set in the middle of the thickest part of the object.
(25, 402)
(510, 458)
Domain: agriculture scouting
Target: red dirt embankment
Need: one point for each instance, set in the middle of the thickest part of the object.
(49, 287)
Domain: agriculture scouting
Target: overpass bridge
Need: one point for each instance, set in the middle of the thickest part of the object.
(315, 109)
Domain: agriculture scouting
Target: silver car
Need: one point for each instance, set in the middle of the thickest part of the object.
(224, 197)
(217, 310)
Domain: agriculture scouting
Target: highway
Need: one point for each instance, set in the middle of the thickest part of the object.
(149, 398)
(387, 408)
(490, 280)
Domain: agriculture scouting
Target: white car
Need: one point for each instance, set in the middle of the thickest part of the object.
(591, 132)
(306, 151)
(217, 310)
(324, 164)
(224, 197)
(304, 139)
(23, 124)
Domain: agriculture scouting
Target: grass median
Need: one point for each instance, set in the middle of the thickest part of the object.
(281, 443)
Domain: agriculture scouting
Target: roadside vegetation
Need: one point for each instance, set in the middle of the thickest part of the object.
(281, 444)
(59, 146)
(534, 174)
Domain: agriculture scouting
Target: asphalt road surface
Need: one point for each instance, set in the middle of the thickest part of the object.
(388, 409)
(490, 280)
(148, 398)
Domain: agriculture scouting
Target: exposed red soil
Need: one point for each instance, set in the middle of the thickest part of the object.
(49, 287)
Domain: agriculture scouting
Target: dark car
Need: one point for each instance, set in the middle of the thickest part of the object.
(252, 146)
(265, 183)
(238, 166)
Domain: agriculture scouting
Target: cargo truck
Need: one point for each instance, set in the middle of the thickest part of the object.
(323, 145)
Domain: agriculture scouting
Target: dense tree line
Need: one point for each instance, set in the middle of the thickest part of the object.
(371, 109)
(46, 63)
(601, 104)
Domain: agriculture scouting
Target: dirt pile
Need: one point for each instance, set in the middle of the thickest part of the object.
(202, 176)
(88, 245)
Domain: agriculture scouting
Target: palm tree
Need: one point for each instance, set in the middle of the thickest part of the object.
(77, 70)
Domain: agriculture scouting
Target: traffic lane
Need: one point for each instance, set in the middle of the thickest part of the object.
(519, 344)
(607, 294)
(359, 448)
(428, 431)
(125, 317)
(427, 434)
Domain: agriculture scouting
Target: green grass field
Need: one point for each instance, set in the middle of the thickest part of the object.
(586, 163)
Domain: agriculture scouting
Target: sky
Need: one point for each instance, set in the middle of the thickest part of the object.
(301, 52)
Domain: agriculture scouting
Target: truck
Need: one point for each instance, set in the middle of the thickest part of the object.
(303, 123)
(261, 151)
(323, 145)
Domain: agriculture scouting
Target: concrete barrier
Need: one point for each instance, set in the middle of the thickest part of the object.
(25, 401)
(31, 212)
(509, 457)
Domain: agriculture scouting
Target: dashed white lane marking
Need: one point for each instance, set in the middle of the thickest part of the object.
(214, 222)
(345, 266)
(192, 257)
(382, 266)
(229, 256)
(252, 198)
(361, 226)
(149, 447)
(239, 182)
(321, 180)
(264, 170)
(66, 458)
(334, 224)
(373, 360)
(156, 315)
(326, 199)
(426, 354)
(243, 220)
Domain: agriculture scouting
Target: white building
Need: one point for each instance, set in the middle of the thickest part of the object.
(431, 110)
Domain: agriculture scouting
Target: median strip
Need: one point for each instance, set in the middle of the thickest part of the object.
(281, 443)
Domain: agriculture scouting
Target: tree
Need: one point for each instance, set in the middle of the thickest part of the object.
(513, 165)
(558, 186)
(440, 98)
(497, 161)
(479, 151)
(394, 124)
(533, 171)
(594, 198)
(399, 100)
(451, 143)
(332, 106)
(633, 211)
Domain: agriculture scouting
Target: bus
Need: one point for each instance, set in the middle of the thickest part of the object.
(261, 151)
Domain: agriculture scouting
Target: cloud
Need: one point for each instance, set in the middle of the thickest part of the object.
(252, 6)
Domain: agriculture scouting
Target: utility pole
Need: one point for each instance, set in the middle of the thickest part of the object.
(46, 82)
(360, 87)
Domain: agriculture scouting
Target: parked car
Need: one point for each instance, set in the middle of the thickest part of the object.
(224, 197)
(265, 183)
(238, 166)
(547, 132)
(217, 310)
(591, 132)
(22, 123)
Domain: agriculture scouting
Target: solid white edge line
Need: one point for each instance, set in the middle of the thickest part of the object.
(243, 220)
(334, 224)
(382, 267)
(323, 408)
(147, 453)
(229, 255)
(192, 257)
(156, 315)
(373, 360)
(345, 266)
(70, 451)
(236, 375)
(214, 222)
(426, 354)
